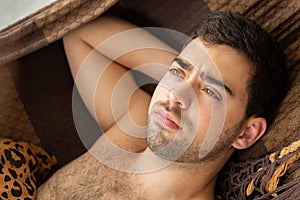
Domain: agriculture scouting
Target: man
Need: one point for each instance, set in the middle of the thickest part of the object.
(217, 95)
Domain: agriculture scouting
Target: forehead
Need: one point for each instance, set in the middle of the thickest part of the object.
(200, 55)
(194, 53)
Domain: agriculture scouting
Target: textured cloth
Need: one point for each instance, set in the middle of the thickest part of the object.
(26, 36)
(275, 176)
(14, 120)
(48, 25)
(280, 18)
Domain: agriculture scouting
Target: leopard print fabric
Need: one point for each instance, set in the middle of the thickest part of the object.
(23, 167)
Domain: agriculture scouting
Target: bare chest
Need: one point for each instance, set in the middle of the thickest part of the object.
(112, 184)
(87, 178)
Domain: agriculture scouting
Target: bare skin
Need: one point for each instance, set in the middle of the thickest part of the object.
(186, 101)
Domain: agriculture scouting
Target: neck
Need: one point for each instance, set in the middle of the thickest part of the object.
(161, 179)
(172, 180)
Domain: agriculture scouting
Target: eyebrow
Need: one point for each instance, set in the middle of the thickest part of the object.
(214, 81)
(183, 64)
(189, 67)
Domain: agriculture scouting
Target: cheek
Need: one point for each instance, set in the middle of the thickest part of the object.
(211, 120)
(208, 111)
(201, 118)
(235, 113)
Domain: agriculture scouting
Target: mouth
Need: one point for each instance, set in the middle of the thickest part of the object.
(167, 120)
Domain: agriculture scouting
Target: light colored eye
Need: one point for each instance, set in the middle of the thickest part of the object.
(212, 94)
(175, 72)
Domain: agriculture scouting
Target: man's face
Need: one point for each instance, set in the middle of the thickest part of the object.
(198, 108)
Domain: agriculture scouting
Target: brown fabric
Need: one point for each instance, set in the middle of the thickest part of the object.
(264, 178)
(14, 120)
(24, 37)
(177, 15)
(282, 20)
(45, 86)
(48, 25)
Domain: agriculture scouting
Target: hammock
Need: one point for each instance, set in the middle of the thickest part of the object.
(47, 25)
(253, 173)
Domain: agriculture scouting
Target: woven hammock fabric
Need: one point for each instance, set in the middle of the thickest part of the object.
(48, 25)
(275, 176)
(280, 18)
(14, 120)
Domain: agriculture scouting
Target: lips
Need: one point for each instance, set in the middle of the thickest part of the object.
(167, 119)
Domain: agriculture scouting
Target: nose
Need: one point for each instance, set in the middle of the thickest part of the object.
(180, 96)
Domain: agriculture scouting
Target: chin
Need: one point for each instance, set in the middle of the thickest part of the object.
(176, 151)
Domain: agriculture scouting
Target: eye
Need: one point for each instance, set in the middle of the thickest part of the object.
(176, 72)
(212, 94)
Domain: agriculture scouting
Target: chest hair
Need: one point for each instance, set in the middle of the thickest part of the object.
(87, 178)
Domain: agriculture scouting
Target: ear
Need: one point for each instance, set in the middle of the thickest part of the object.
(254, 129)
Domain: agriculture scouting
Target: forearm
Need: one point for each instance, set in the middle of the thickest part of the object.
(126, 44)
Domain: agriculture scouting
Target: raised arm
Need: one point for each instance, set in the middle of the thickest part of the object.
(88, 60)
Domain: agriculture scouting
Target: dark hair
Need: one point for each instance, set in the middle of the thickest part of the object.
(268, 86)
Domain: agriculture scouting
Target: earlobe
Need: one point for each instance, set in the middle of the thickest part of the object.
(254, 129)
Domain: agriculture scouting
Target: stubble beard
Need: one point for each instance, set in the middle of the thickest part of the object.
(224, 142)
(181, 147)
(169, 144)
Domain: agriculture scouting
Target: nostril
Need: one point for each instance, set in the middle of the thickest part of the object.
(178, 99)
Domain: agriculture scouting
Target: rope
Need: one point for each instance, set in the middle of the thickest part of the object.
(265, 178)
